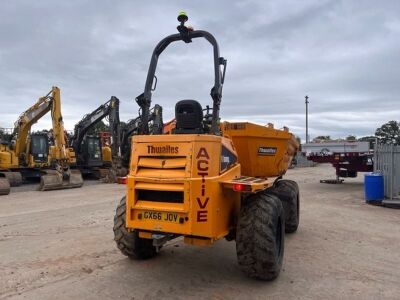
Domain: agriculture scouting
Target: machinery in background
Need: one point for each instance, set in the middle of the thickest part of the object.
(94, 158)
(106, 155)
(4, 185)
(30, 155)
(348, 158)
(131, 128)
(105, 138)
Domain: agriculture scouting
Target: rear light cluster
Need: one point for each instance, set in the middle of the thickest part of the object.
(240, 187)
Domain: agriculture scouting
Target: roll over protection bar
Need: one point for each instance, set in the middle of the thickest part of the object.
(186, 35)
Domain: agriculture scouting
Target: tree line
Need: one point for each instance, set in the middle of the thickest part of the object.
(388, 133)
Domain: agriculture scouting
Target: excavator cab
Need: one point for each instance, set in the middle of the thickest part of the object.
(39, 148)
(91, 154)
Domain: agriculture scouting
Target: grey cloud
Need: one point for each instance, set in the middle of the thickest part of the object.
(343, 54)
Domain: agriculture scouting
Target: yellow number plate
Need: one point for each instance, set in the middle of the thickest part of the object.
(161, 216)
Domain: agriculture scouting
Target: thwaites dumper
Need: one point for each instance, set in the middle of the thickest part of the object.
(208, 180)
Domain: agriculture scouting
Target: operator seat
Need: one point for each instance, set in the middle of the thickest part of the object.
(189, 117)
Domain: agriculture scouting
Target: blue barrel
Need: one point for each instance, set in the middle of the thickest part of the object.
(374, 187)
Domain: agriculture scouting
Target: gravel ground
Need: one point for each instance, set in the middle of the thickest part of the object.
(59, 245)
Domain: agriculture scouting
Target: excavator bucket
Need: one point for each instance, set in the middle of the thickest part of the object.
(4, 186)
(54, 180)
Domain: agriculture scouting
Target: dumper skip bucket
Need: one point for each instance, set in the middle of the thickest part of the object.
(262, 150)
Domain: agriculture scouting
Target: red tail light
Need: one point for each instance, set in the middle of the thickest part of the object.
(239, 187)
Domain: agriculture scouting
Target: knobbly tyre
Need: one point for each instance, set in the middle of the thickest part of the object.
(208, 180)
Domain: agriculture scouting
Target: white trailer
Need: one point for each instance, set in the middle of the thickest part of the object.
(330, 148)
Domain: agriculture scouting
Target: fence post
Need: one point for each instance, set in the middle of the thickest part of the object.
(391, 170)
(375, 162)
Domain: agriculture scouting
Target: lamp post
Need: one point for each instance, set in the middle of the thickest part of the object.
(306, 97)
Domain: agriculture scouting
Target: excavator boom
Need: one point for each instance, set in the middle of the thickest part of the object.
(109, 109)
(61, 177)
(25, 121)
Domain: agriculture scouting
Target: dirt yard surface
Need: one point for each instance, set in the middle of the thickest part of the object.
(59, 245)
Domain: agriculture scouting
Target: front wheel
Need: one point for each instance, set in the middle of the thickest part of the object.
(260, 238)
(288, 192)
(129, 243)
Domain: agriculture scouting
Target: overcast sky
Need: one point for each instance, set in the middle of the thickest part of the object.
(344, 54)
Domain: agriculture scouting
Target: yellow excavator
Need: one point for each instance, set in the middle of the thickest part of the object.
(31, 155)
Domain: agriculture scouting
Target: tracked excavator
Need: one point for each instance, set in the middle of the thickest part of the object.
(32, 155)
(132, 127)
(91, 157)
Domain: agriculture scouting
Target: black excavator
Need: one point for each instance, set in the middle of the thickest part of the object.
(133, 126)
(93, 158)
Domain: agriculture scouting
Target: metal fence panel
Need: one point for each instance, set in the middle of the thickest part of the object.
(302, 161)
(387, 161)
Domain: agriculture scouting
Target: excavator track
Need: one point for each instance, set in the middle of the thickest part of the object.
(4, 186)
(103, 172)
(53, 180)
(14, 178)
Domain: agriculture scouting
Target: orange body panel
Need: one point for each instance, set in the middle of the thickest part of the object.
(182, 183)
(185, 167)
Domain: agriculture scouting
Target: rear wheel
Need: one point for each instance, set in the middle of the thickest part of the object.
(288, 192)
(260, 236)
(129, 243)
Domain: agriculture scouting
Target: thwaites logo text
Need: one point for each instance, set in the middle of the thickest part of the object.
(203, 162)
(266, 150)
(162, 149)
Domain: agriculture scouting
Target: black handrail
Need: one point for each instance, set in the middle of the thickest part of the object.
(186, 35)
